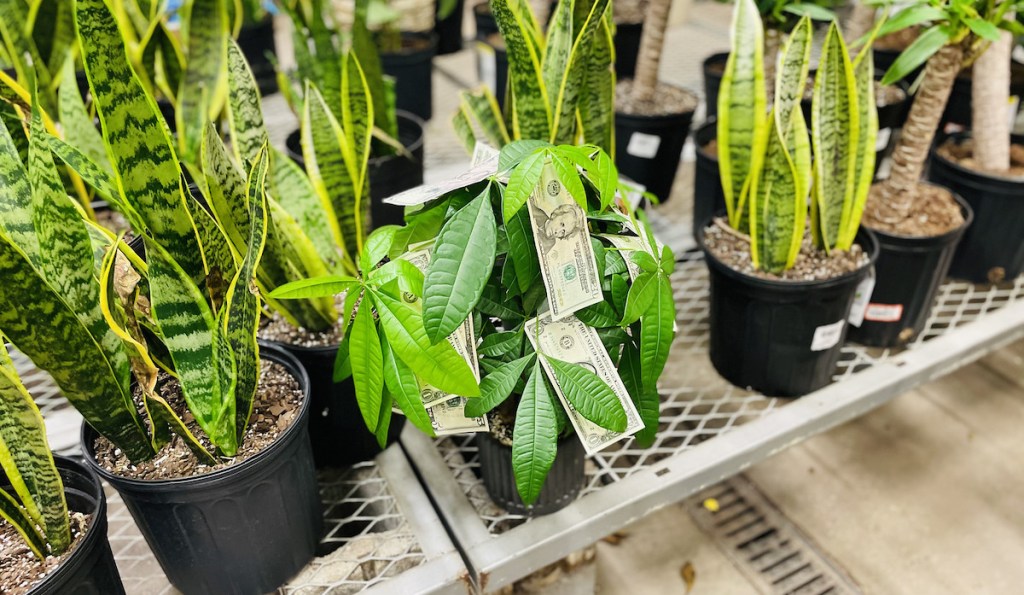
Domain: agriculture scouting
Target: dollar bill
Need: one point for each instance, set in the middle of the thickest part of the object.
(449, 417)
(626, 245)
(427, 192)
(482, 153)
(566, 256)
(572, 341)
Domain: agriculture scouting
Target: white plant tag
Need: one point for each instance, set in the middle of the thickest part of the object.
(1013, 107)
(827, 336)
(644, 146)
(487, 66)
(882, 140)
(884, 312)
(861, 299)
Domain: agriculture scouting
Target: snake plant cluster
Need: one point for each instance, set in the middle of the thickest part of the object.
(778, 177)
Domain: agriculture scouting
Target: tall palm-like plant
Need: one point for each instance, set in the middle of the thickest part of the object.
(990, 94)
(652, 43)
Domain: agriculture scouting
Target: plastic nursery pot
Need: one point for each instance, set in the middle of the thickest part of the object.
(390, 174)
(992, 249)
(714, 68)
(958, 108)
(648, 148)
(240, 530)
(708, 196)
(492, 66)
(627, 48)
(484, 20)
(908, 274)
(781, 338)
(411, 69)
(449, 30)
(256, 41)
(563, 484)
(90, 568)
(336, 429)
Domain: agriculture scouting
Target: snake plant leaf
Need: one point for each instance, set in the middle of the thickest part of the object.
(138, 142)
(292, 189)
(243, 304)
(220, 260)
(78, 126)
(401, 384)
(589, 395)
(790, 84)
(835, 132)
(777, 211)
(26, 461)
(172, 59)
(367, 365)
(62, 37)
(21, 48)
(867, 119)
(462, 259)
(16, 198)
(497, 385)
(226, 190)
(100, 180)
(567, 92)
(647, 400)
(526, 76)
(742, 104)
(462, 125)
(245, 115)
(357, 118)
(656, 333)
(535, 437)
(204, 86)
(557, 50)
(437, 364)
(481, 106)
(23, 524)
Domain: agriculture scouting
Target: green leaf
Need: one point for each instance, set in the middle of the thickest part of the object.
(913, 15)
(917, 53)
(342, 363)
(656, 335)
(777, 211)
(640, 296)
(16, 198)
(437, 364)
(384, 420)
(620, 291)
(79, 129)
(597, 100)
(23, 524)
(599, 315)
(647, 401)
(522, 249)
(514, 152)
(325, 286)
(499, 344)
(496, 386)
(569, 176)
(983, 29)
(462, 259)
(410, 278)
(867, 119)
(481, 106)
(534, 438)
(565, 94)
(645, 261)
(668, 260)
(245, 116)
(521, 183)
(377, 247)
(589, 395)
(813, 11)
(367, 365)
(401, 384)
(533, 112)
(204, 86)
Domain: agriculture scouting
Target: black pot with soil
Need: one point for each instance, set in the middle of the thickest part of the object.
(908, 274)
(708, 196)
(778, 337)
(412, 68)
(336, 429)
(713, 68)
(958, 108)
(449, 30)
(649, 141)
(563, 484)
(89, 568)
(389, 174)
(246, 528)
(483, 19)
(256, 40)
(627, 48)
(492, 65)
(992, 249)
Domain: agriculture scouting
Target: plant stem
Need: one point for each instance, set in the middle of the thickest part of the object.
(990, 96)
(862, 19)
(899, 190)
(645, 82)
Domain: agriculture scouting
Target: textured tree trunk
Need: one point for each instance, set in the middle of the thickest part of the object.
(898, 192)
(645, 82)
(990, 96)
(862, 19)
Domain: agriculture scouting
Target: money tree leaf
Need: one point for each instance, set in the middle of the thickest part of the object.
(401, 384)
(384, 420)
(461, 263)
(640, 296)
(589, 395)
(367, 365)
(323, 286)
(522, 249)
(342, 362)
(647, 401)
(497, 386)
(656, 334)
(534, 438)
(499, 344)
(521, 183)
(599, 315)
(515, 152)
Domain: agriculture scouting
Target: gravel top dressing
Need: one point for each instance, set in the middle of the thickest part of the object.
(20, 570)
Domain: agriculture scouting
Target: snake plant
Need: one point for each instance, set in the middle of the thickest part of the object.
(561, 86)
(768, 164)
(36, 508)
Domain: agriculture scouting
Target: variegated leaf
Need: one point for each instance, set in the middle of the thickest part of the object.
(597, 100)
(567, 92)
(532, 106)
(248, 132)
(777, 212)
(204, 86)
(292, 189)
(865, 149)
(16, 198)
(79, 129)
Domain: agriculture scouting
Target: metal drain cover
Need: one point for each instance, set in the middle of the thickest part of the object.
(773, 554)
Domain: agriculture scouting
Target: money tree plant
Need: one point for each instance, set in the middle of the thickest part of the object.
(561, 85)
(36, 508)
(769, 165)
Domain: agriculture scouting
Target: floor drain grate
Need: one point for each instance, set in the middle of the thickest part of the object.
(774, 555)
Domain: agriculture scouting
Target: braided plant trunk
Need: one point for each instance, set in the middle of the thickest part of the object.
(862, 19)
(899, 191)
(645, 81)
(990, 94)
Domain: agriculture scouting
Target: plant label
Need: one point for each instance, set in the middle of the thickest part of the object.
(644, 146)
(882, 140)
(827, 336)
(884, 312)
(862, 299)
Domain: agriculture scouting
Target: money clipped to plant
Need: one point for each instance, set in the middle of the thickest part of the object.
(770, 165)
(561, 85)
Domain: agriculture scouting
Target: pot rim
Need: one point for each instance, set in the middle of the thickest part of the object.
(227, 474)
(965, 209)
(865, 235)
(670, 118)
(959, 137)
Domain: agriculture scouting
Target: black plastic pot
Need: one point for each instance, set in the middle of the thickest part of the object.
(708, 196)
(563, 484)
(90, 569)
(449, 30)
(412, 70)
(485, 23)
(388, 175)
(257, 41)
(958, 108)
(336, 429)
(492, 67)
(627, 48)
(781, 338)
(714, 68)
(648, 148)
(908, 274)
(241, 530)
(992, 249)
